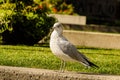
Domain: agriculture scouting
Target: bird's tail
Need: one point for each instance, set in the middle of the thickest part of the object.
(85, 61)
(90, 64)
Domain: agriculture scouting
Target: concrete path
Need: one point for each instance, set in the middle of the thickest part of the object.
(20, 73)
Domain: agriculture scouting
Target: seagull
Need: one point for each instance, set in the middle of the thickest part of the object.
(65, 50)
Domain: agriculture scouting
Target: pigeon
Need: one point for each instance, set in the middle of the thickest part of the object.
(64, 49)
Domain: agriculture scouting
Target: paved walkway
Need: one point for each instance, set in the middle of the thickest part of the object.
(19, 73)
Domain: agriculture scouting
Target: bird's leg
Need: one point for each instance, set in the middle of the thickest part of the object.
(62, 67)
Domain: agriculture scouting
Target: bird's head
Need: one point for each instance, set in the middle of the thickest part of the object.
(58, 27)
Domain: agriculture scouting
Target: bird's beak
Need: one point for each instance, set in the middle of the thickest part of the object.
(53, 27)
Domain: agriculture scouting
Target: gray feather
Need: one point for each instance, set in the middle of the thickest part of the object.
(71, 50)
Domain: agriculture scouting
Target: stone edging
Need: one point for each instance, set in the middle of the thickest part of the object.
(93, 39)
(19, 73)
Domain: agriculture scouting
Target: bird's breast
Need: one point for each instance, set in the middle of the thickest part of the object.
(58, 52)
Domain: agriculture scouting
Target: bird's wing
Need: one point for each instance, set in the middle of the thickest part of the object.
(71, 51)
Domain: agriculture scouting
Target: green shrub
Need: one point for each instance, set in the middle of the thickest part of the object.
(6, 13)
(55, 6)
(29, 25)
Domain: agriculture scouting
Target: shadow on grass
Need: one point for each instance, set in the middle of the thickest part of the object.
(22, 47)
(104, 54)
(95, 48)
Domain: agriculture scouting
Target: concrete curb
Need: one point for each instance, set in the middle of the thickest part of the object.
(93, 39)
(70, 19)
(19, 73)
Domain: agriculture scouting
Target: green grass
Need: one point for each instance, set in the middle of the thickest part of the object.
(41, 57)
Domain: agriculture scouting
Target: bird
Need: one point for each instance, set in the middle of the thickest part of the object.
(65, 50)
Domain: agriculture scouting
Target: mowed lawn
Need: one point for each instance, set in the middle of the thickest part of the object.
(108, 60)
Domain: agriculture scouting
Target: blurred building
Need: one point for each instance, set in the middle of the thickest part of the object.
(98, 10)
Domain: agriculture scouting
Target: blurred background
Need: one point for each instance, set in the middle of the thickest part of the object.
(27, 21)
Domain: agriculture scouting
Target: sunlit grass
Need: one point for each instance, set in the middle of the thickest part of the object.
(41, 57)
